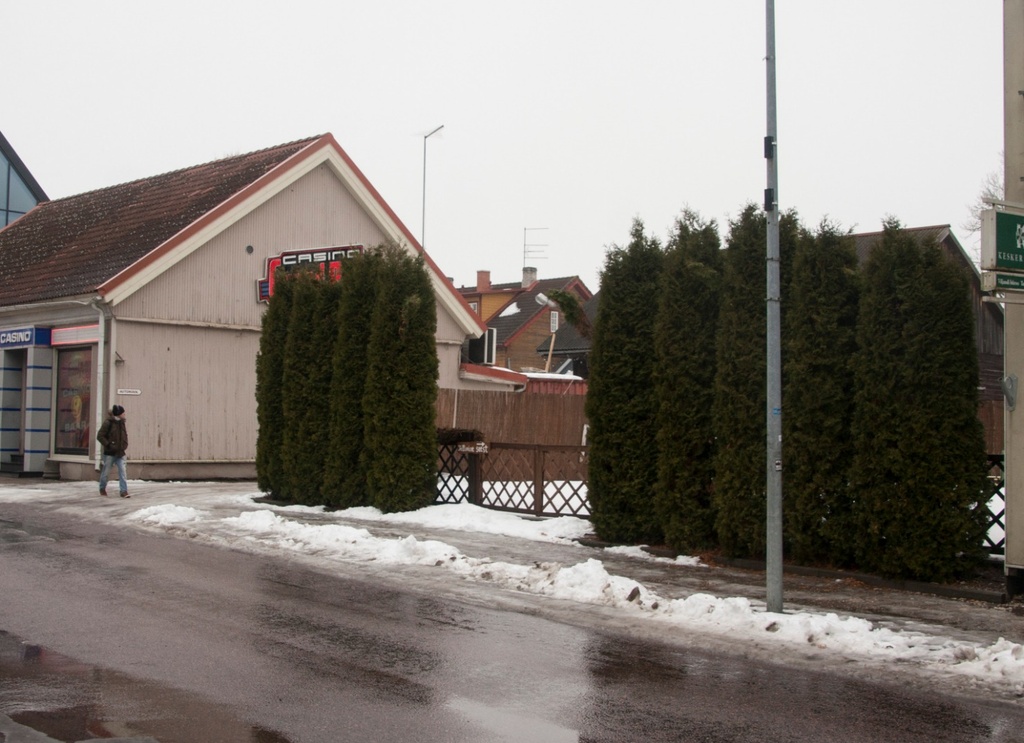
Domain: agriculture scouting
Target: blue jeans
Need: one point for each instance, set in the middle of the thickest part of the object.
(109, 459)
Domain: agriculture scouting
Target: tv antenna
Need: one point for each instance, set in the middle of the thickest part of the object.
(532, 250)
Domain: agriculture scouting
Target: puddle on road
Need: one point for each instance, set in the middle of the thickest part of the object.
(69, 701)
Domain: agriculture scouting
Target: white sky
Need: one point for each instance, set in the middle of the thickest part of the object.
(569, 116)
(225, 514)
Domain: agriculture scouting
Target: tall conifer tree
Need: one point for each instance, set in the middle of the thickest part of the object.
(269, 387)
(919, 469)
(740, 395)
(820, 332)
(312, 329)
(621, 402)
(401, 387)
(684, 377)
(345, 469)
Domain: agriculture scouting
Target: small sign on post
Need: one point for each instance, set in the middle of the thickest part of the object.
(1002, 240)
(472, 447)
(992, 281)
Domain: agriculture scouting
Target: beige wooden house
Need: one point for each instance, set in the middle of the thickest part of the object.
(150, 294)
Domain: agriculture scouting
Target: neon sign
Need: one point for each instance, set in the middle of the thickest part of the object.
(327, 260)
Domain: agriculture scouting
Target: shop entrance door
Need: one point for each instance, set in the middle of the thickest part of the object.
(12, 411)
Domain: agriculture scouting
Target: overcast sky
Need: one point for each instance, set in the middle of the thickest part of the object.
(574, 117)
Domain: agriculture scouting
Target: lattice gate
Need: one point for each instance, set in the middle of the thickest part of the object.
(452, 474)
(995, 535)
(525, 478)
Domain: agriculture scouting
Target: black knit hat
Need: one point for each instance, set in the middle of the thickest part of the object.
(117, 410)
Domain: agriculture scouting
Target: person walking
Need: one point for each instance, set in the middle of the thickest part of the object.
(113, 437)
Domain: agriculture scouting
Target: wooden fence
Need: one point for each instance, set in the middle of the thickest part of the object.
(514, 417)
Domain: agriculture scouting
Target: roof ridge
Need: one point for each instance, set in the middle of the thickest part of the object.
(196, 166)
(906, 229)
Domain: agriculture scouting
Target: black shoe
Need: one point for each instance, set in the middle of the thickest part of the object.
(125, 494)
(103, 491)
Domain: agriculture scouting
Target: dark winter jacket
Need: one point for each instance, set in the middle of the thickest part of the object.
(113, 436)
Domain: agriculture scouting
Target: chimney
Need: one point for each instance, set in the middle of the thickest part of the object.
(529, 277)
(483, 281)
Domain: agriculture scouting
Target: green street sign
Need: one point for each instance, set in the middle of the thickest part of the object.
(1002, 240)
(1008, 282)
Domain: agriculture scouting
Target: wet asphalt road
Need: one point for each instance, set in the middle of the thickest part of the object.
(111, 631)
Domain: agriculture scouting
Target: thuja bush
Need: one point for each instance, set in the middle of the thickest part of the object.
(621, 399)
(684, 376)
(400, 435)
(345, 470)
(269, 386)
(312, 329)
(740, 398)
(918, 476)
(821, 324)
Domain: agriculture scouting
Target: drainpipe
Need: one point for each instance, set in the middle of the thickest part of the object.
(101, 370)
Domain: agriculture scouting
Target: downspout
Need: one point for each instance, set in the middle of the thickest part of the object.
(101, 369)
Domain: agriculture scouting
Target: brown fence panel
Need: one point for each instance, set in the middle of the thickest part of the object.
(565, 481)
(507, 474)
(514, 418)
(540, 480)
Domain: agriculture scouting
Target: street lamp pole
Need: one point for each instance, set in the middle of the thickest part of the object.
(423, 212)
(773, 330)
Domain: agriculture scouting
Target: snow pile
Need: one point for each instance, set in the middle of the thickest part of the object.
(167, 515)
(467, 517)
(641, 554)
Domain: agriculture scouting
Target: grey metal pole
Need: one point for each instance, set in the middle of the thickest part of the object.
(773, 547)
(1013, 328)
(423, 209)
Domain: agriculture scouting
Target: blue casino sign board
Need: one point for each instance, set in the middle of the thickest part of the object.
(24, 337)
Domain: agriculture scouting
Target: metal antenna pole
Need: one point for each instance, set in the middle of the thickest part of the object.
(423, 210)
(532, 250)
(773, 547)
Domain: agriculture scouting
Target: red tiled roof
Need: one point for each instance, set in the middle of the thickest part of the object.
(69, 247)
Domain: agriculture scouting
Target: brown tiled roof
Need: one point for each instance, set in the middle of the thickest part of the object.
(69, 247)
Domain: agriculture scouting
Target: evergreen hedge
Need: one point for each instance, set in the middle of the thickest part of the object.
(919, 469)
(400, 444)
(621, 400)
(312, 328)
(345, 470)
(269, 387)
(684, 377)
(740, 397)
(820, 332)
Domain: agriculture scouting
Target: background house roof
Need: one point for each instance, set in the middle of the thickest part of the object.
(71, 246)
(865, 242)
(568, 340)
(520, 311)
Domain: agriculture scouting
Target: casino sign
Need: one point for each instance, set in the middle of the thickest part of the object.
(327, 260)
(24, 337)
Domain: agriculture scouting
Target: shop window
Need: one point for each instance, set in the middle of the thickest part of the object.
(74, 382)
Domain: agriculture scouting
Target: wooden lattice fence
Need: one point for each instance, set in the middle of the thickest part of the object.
(526, 478)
